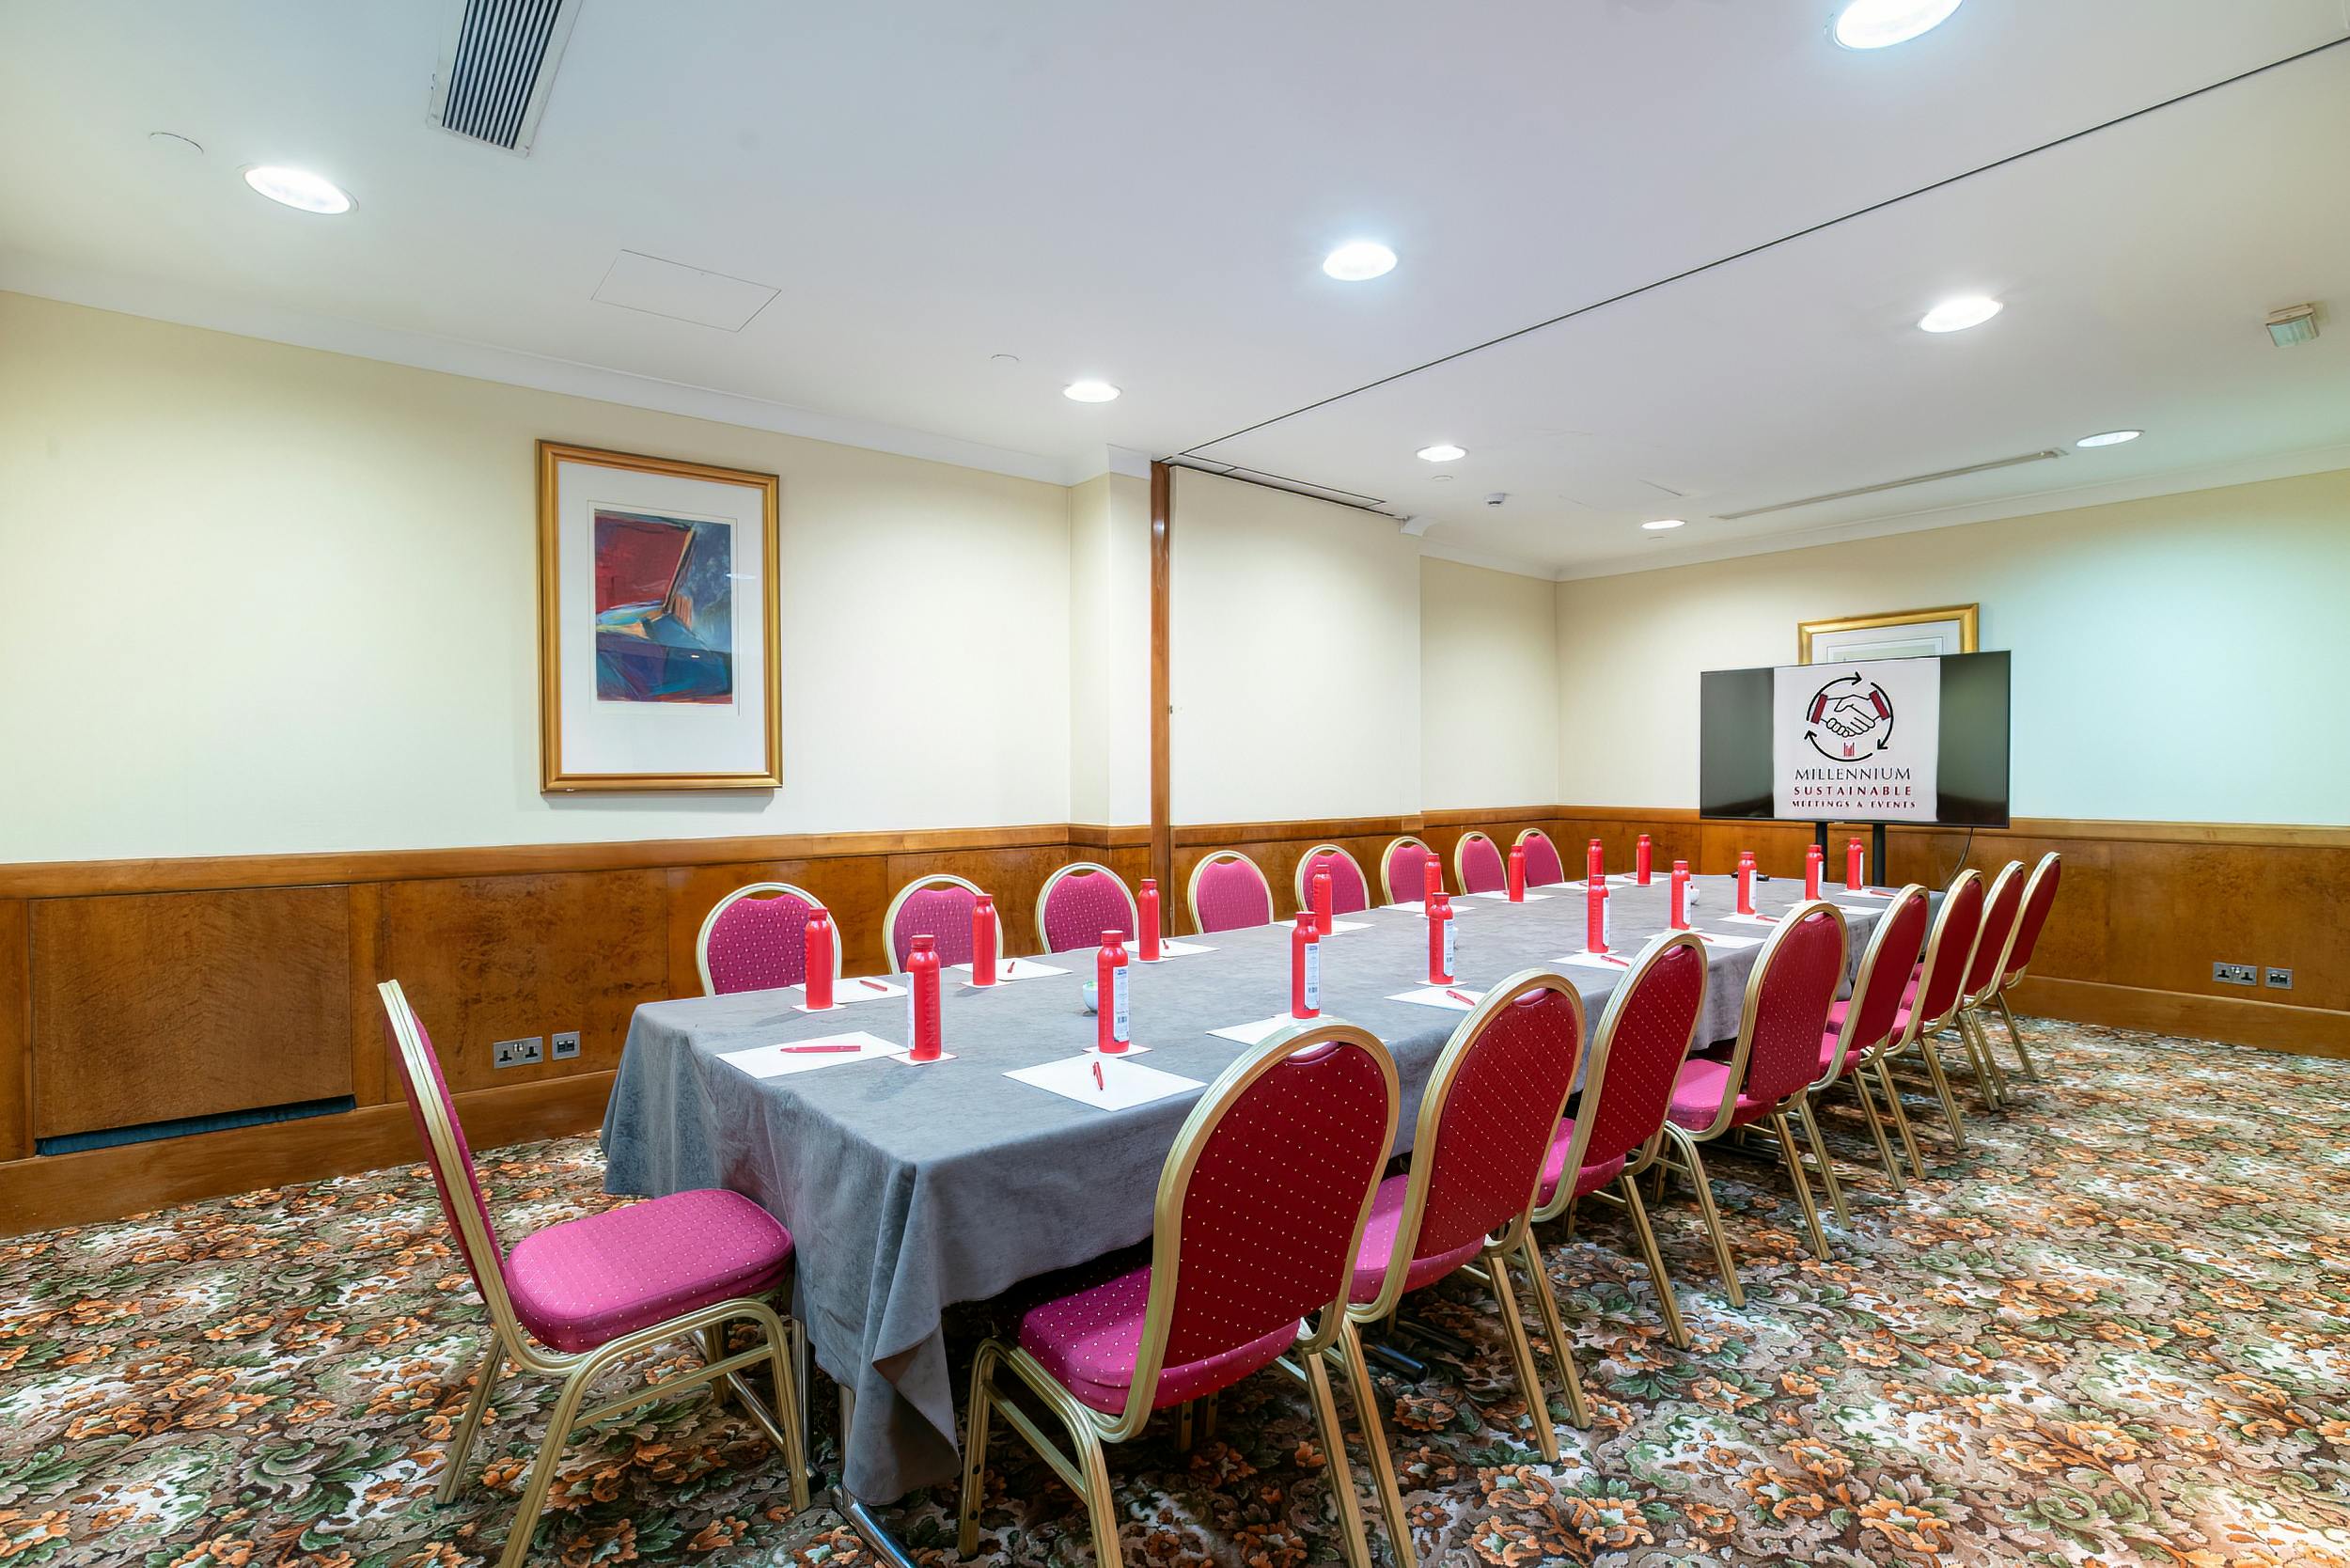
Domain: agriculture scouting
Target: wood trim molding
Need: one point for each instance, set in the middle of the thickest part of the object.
(2308, 1031)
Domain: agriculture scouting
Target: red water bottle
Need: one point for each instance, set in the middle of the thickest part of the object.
(1595, 862)
(1680, 895)
(817, 954)
(1746, 882)
(922, 1000)
(1440, 941)
(1640, 853)
(983, 940)
(1854, 880)
(1149, 903)
(1321, 900)
(1112, 1030)
(1811, 859)
(1431, 877)
(1517, 873)
(1305, 969)
(1595, 915)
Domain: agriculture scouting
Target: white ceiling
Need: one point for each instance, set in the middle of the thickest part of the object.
(1143, 193)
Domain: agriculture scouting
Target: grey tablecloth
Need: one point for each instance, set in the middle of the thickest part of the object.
(908, 1190)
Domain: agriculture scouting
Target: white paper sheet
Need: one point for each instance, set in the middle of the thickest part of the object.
(1258, 1032)
(1418, 907)
(1169, 948)
(774, 1061)
(1007, 969)
(1338, 926)
(1727, 944)
(1446, 996)
(1503, 896)
(1612, 961)
(847, 991)
(1122, 1083)
(1749, 919)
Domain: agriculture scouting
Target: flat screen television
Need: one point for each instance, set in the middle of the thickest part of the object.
(1921, 740)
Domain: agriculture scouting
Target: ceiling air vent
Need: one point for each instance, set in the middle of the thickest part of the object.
(497, 67)
(1892, 484)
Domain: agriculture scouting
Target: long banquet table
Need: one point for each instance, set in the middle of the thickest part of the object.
(910, 1188)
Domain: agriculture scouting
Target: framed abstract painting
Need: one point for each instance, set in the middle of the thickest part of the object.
(1903, 635)
(657, 624)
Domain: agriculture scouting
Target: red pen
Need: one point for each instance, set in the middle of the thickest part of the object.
(874, 984)
(1458, 997)
(815, 1050)
(1097, 1077)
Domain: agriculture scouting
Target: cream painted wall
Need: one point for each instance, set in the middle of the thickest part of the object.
(1488, 688)
(1295, 642)
(1109, 649)
(261, 599)
(2176, 659)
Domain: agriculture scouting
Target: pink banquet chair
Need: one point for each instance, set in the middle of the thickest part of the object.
(1350, 890)
(1643, 1037)
(1986, 969)
(1078, 903)
(2039, 898)
(1402, 871)
(1226, 892)
(1258, 1225)
(1479, 864)
(938, 907)
(1934, 994)
(579, 1298)
(1484, 1129)
(1767, 1071)
(756, 939)
(1860, 1027)
(1543, 868)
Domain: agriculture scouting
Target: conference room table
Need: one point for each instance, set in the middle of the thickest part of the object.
(911, 1188)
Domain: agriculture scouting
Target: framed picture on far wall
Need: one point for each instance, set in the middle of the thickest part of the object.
(1903, 635)
(657, 624)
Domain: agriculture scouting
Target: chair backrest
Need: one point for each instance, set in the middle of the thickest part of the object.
(1543, 868)
(1263, 1200)
(1485, 1124)
(1350, 890)
(1080, 901)
(446, 1153)
(2001, 907)
(938, 907)
(1884, 974)
(756, 939)
(1401, 873)
(1789, 992)
(1227, 891)
(1634, 1058)
(1478, 864)
(1948, 949)
(2039, 898)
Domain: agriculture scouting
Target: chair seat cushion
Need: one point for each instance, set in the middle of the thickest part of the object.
(1587, 1181)
(587, 1281)
(1089, 1341)
(1698, 1096)
(1371, 1262)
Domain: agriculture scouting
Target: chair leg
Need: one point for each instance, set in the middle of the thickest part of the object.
(542, 1468)
(1858, 1079)
(1803, 1187)
(460, 1445)
(2015, 1038)
(1102, 1503)
(1941, 1081)
(1900, 1119)
(790, 1409)
(1365, 1397)
(1709, 1214)
(1827, 1161)
(974, 1424)
(1982, 1043)
(1522, 1353)
(1986, 1073)
(1675, 1330)
(1546, 1308)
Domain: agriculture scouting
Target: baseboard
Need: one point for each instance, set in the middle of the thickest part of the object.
(2237, 1021)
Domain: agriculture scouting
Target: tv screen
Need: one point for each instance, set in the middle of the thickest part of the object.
(1881, 739)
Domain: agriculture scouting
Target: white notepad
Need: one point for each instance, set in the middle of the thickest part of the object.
(1169, 948)
(774, 1061)
(1503, 896)
(844, 992)
(1008, 970)
(1448, 996)
(1260, 1031)
(1122, 1083)
(1613, 963)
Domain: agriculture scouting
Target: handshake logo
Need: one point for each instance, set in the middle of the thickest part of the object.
(1849, 719)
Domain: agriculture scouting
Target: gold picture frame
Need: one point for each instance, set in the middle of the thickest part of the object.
(744, 763)
(1841, 639)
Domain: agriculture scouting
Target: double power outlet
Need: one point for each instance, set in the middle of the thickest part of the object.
(526, 1052)
(2252, 974)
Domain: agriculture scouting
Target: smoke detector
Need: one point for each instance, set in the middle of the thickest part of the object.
(2295, 324)
(1496, 497)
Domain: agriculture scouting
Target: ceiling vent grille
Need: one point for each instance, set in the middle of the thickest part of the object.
(498, 67)
(1892, 484)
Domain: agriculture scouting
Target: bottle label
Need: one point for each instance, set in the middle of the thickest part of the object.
(1118, 1027)
(1448, 949)
(1313, 977)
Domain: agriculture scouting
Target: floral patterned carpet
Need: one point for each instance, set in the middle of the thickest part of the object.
(2116, 1331)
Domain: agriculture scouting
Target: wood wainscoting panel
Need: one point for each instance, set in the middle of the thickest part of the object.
(16, 1030)
(149, 1007)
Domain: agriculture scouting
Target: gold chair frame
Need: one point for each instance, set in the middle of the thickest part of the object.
(2048, 865)
(1872, 1053)
(1191, 887)
(710, 922)
(1459, 853)
(1921, 1032)
(1083, 867)
(1386, 856)
(1990, 1080)
(579, 1371)
(1686, 1142)
(1305, 867)
(1530, 833)
(1087, 1471)
(889, 916)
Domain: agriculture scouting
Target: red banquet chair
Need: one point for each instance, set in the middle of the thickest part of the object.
(1987, 972)
(1933, 994)
(579, 1298)
(1861, 1028)
(1403, 870)
(1226, 892)
(1350, 890)
(1259, 1224)
(2039, 898)
(1478, 864)
(1544, 867)
(756, 939)
(1080, 901)
(938, 907)
(1767, 1071)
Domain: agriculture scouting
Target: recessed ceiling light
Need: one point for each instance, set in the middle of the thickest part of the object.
(1881, 23)
(1968, 310)
(1439, 478)
(2112, 438)
(1360, 260)
(298, 188)
(1089, 392)
(1663, 522)
(1443, 451)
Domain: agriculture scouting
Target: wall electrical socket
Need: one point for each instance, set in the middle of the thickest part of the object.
(2235, 974)
(519, 1053)
(2279, 980)
(566, 1044)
